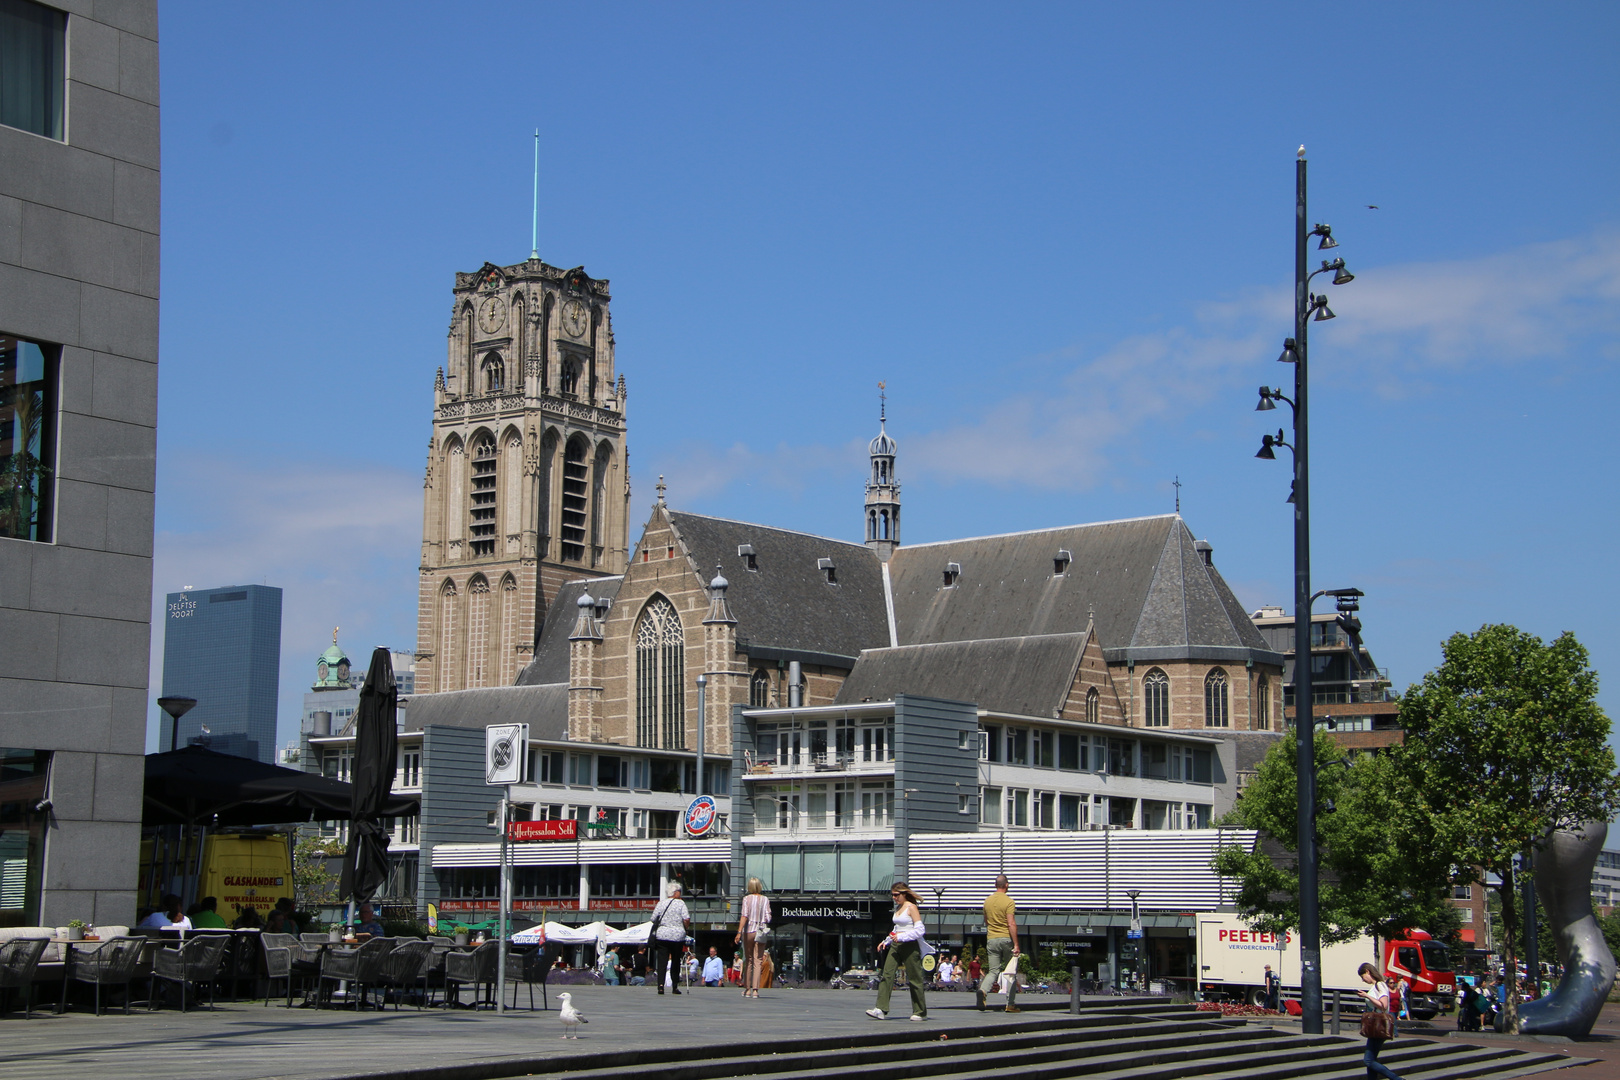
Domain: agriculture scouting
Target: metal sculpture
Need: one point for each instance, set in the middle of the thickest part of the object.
(1564, 884)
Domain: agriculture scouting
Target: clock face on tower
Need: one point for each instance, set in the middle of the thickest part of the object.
(574, 318)
(491, 314)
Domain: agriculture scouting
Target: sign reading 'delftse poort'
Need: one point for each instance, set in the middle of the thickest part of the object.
(566, 829)
(823, 911)
(506, 753)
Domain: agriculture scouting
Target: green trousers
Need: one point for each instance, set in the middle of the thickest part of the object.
(908, 954)
(999, 951)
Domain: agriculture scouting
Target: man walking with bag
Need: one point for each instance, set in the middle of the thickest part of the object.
(1001, 945)
(669, 924)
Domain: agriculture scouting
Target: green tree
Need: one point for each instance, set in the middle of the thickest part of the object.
(1505, 743)
(1377, 875)
(314, 883)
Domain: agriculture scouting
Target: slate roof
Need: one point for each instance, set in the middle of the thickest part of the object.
(550, 663)
(786, 603)
(1153, 595)
(1029, 676)
(543, 708)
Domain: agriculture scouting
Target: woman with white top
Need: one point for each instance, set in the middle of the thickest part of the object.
(1377, 998)
(756, 916)
(903, 946)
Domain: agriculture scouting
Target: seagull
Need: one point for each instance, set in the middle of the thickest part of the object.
(570, 1016)
(1301, 151)
(1370, 206)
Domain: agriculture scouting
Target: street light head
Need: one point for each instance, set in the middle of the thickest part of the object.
(1266, 453)
(1343, 277)
(1290, 498)
(1290, 354)
(1266, 404)
(1326, 233)
(1323, 312)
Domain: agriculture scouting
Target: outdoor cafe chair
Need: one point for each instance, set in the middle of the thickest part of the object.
(527, 967)
(195, 961)
(432, 973)
(359, 967)
(402, 969)
(476, 967)
(113, 964)
(285, 957)
(19, 963)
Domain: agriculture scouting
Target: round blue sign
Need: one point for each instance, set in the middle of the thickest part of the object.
(700, 816)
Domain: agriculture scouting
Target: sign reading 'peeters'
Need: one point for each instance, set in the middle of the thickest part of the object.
(823, 911)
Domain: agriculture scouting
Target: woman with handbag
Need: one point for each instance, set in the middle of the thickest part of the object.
(753, 933)
(1378, 1023)
(903, 947)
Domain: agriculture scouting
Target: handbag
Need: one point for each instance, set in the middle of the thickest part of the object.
(1377, 1024)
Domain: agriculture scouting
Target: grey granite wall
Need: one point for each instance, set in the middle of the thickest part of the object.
(79, 268)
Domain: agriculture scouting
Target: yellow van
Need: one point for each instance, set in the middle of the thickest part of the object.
(242, 870)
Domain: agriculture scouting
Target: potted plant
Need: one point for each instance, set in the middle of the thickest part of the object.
(463, 936)
(76, 929)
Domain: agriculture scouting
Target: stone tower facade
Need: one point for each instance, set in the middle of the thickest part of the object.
(527, 482)
(882, 493)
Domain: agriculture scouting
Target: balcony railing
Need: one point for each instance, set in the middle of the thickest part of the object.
(810, 764)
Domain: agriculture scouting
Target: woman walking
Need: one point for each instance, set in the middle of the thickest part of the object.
(903, 946)
(756, 919)
(1379, 1024)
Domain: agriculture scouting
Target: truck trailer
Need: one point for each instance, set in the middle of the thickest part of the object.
(1232, 959)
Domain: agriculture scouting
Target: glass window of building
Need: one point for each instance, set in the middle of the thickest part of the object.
(1093, 706)
(992, 734)
(1215, 700)
(1155, 760)
(660, 680)
(1122, 757)
(1017, 746)
(990, 805)
(1156, 699)
(1045, 748)
(820, 870)
(1070, 811)
(23, 777)
(1122, 812)
(27, 424)
(1044, 805)
(1018, 807)
(759, 690)
(1070, 753)
(33, 66)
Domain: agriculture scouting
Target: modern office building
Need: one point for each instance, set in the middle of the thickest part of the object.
(223, 647)
(79, 214)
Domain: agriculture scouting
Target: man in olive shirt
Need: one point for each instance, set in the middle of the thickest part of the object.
(1001, 934)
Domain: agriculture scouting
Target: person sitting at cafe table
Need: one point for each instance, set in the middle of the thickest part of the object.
(369, 923)
(170, 916)
(205, 916)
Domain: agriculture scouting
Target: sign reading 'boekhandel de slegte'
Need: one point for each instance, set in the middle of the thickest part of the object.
(822, 911)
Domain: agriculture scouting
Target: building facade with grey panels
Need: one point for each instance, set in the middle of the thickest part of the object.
(79, 216)
(223, 648)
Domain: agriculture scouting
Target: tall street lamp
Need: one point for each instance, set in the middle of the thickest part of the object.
(1308, 308)
(176, 707)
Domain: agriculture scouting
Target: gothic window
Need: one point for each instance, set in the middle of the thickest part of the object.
(1156, 699)
(1215, 700)
(478, 632)
(660, 677)
(883, 525)
(1263, 706)
(507, 642)
(494, 374)
(1093, 706)
(599, 479)
(759, 690)
(576, 481)
(520, 335)
(871, 525)
(481, 532)
(447, 636)
(570, 375)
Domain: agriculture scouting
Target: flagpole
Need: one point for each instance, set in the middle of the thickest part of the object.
(534, 230)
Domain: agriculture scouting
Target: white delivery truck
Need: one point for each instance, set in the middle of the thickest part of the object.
(1232, 961)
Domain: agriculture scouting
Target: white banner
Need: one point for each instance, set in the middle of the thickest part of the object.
(506, 753)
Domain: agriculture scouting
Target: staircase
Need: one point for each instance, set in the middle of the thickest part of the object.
(1124, 1042)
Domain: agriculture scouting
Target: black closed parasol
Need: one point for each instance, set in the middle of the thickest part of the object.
(365, 865)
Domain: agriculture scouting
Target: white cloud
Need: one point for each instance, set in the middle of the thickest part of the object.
(341, 543)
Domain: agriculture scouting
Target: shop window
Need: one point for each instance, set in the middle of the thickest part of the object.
(24, 776)
(33, 55)
(854, 871)
(820, 870)
(28, 403)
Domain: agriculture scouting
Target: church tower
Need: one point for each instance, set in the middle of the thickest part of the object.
(882, 490)
(527, 481)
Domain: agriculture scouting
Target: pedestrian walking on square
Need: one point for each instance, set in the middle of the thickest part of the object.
(903, 948)
(1273, 988)
(1001, 942)
(669, 922)
(752, 929)
(1378, 1025)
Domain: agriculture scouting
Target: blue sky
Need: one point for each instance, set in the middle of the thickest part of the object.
(1062, 234)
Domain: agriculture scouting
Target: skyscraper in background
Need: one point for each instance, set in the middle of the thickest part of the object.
(223, 647)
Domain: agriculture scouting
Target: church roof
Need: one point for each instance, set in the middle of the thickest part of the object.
(550, 663)
(543, 708)
(785, 603)
(1148, 586)
(1028, 676)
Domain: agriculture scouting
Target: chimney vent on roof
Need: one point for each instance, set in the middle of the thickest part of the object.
(1206, 551)
(952, 572)
(1061, 562)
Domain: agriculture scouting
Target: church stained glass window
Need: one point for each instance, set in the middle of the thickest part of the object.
(1215, 700)
(660, 677)
(1156, 699)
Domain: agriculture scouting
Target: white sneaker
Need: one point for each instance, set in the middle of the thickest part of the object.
(877, 1014)
(918, 1017)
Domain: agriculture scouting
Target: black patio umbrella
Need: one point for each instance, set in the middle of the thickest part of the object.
(365, 864)
(197, 786)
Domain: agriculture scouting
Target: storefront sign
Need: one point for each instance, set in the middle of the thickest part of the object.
(459, 907)
(524, 831)
(799, 912)
(700, 816)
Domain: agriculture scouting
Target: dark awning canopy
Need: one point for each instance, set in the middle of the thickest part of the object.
(195, 785)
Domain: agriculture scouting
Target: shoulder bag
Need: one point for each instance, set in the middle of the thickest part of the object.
(1377, 1024)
